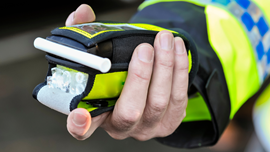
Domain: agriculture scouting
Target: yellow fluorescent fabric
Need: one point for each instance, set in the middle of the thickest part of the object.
(151, 27)
(86, 34)
(264, 97)
(151, 2)
(90, 108)
(264, 5)
(197, 109)
(189, 61)
(232, 46)
(108, 85)
(143, 26)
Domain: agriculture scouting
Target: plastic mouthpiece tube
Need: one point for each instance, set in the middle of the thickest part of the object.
(90, 60)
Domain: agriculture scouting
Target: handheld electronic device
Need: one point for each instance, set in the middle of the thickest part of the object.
(88, 63)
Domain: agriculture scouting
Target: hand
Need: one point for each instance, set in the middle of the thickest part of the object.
(154, 98)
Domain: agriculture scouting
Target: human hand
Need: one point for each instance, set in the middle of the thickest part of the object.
(154, 98)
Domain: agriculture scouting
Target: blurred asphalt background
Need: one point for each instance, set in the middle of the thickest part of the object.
(28, 126)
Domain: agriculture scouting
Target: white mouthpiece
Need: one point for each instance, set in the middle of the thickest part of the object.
(87, 59)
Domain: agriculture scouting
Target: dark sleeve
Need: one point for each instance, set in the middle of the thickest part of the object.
(210, 80)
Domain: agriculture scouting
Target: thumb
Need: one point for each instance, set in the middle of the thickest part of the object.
(80, 124)
(83, 14)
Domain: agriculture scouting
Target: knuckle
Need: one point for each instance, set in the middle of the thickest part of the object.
(167, 64)
(159, 107)
(131, 117)
(181, 96)
(184, 65)
(184, 68)
(154, 113)
(126, 121)
(140, 76)
(158, 103)
(151, 118)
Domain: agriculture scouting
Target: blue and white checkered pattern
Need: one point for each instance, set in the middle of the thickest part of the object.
(256, 27)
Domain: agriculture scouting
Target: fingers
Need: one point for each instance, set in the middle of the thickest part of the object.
(80, 124)
(160, 88)
(130, 106)
(83, 14)
(176, 110)
(145, 110)
(180, 75)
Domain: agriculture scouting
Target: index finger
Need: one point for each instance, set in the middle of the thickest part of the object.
(130, 105)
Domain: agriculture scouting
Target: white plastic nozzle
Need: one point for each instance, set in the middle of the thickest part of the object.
(87, 59)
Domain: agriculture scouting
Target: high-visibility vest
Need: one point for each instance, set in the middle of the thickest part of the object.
(233, 42)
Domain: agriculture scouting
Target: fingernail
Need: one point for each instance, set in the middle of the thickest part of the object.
(179, 46)
(145, 53)
(166, 41)
(79, 119)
